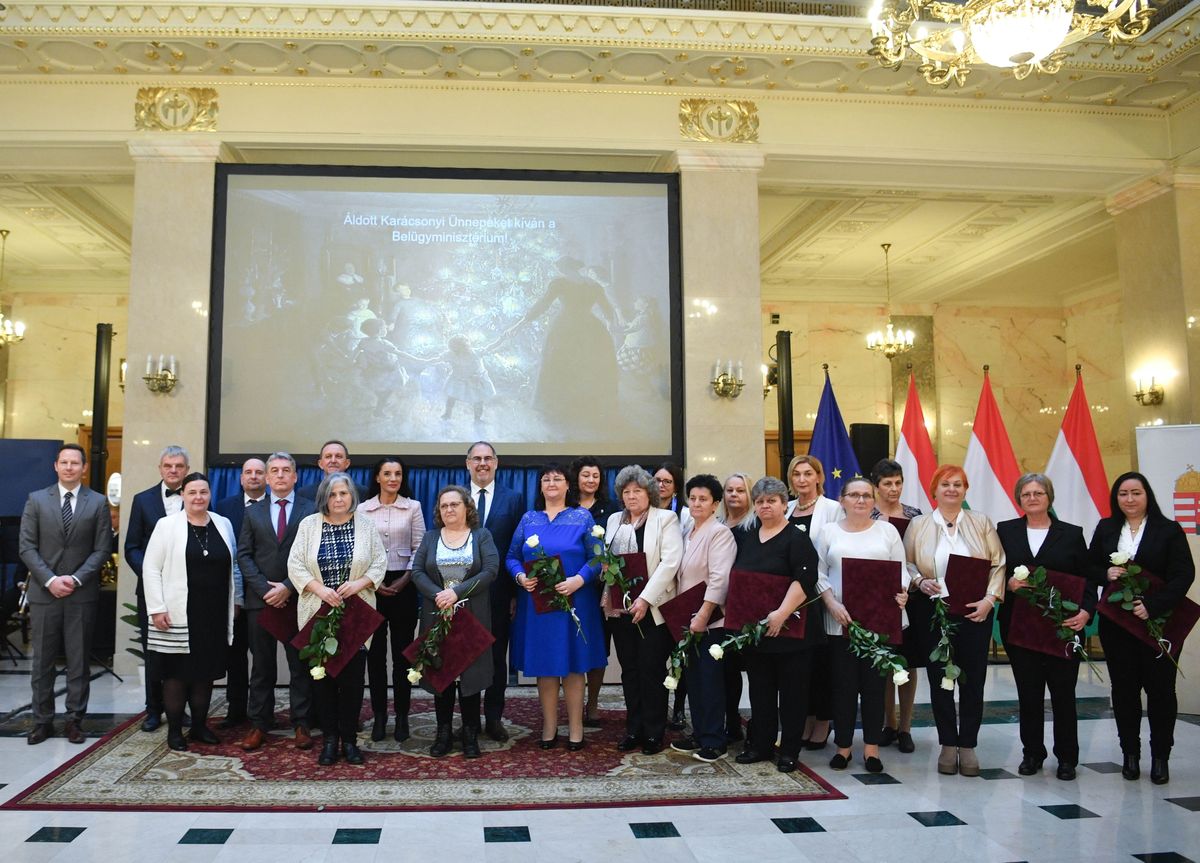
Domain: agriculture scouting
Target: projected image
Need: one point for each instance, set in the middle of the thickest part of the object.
(417, 312)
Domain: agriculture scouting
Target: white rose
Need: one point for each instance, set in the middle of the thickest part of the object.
(1021, 573)
(803, 528)
(414, 675)
(716, 652)
(533, 541)
(900, 677)
(1119, 558)
(671, 683)
(597, 531)
(948, 684)
(317, 672)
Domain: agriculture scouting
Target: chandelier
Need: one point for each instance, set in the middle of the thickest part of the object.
(1023, 35)
(10, 331)
(891, 341)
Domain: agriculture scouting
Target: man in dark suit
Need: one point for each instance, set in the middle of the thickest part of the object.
(161, 499)
(237, 681)
(500, 510)
(66, 536)
(334, 458)
(264, 543)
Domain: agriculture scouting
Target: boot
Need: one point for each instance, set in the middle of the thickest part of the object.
(401, 732)
(470, 742)
(441, 744)
(379, 727)
(1159, 774)
(1131, 768)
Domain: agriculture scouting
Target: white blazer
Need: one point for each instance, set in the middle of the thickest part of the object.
(662, 544)
(825, 512)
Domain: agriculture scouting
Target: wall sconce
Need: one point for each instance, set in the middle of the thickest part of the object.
(1147, 396)
(160, 379)
(724, 383)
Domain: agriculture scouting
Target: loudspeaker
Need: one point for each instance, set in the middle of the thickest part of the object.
(871, 442)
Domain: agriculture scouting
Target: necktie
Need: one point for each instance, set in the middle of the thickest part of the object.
(174, 491)
(66, 512)
(281, 524)
(482, 505)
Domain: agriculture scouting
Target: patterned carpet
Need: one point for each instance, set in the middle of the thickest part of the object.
(130, 770)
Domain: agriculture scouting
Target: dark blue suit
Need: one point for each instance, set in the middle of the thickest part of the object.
(238, 680)
(503, 514)
(144, 513)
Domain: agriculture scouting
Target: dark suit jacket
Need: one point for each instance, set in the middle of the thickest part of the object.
(234, 508)
(1063, 551)
(1163, 551)
(47, 551)
(144, 514)
(503, 515)
(261, 556)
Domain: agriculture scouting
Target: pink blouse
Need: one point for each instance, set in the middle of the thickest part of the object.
(401, 527)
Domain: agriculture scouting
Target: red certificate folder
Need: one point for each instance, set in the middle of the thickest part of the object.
(678, 611)
(464, 643)
(1030, 629)
(901, 524)
(967, 579)
(541, 602)
(358, 624)
(635, 569)
(280, 623)
(754, 595)
(1183, 617)
(869, 589)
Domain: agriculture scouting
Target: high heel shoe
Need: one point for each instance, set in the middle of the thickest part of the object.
(576, 745)
(818, 745)
(549, 744)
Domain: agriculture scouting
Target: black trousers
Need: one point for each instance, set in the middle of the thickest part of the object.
(705, 678)
(237, 678)
(642, 651)
(855, 681)
(733, 666)
(779, 684)
(260, 700)
(154, 693)
(493, 697)
(820, 685)
(1034, 672)
(339, 700)
(961, 727)
(1132, 667)
(468, 706)
(399, 624)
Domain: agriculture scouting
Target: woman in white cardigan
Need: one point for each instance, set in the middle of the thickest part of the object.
(335, 556)
(192, 584)
(639, 635)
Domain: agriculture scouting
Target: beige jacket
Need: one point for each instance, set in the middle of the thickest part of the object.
(978, 534)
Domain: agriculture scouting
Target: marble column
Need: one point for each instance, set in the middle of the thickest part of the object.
(721, 307)
(168, 314)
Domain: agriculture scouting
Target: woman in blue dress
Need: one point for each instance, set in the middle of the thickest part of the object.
(550, 646)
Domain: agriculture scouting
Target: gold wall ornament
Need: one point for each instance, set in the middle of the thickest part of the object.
(175, 109)
(727, 121)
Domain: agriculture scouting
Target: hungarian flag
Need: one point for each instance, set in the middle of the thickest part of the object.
(991, 467)
(1076, 469)
(831, 444)
(914, 452)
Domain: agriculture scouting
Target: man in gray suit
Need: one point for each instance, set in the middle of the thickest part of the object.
(66, 535)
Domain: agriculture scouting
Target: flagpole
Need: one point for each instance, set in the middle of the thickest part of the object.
(783, 393)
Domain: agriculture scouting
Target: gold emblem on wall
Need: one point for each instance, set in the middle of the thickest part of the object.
(732, 121)
(175, 109)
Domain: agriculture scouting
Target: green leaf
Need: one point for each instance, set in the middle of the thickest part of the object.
(1128, 606)
(1070, 606)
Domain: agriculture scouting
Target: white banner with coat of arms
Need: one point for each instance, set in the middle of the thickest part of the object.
(1169, 456)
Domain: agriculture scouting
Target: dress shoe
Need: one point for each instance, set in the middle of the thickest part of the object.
(947, 762)
(74, 733)
(39, 733)
(152, 722)
(888, 737)
(201, 733)
(470, 742)
(1159, 773)
(379, 728)
(1029, 766)
(256, 738)
(495, 730)
(400, 734)
(1065, 772)
(785, 764)
(441, 742)
(329, 753)
(817, 745)
(549, 744)
(685, 744)
(968, 761)
(232, 720)
(874, 765)
(1131, 767)
(904, 742)
(750, 756)
(576, 745)
(352, 753)
(175, 740)
(652, 746)
(303, 738)
(839, 761)
(628, 743)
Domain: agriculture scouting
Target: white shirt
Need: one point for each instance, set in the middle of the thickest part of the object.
(1036, 536)
(247, 500)
(62, 493)
(172, 504)
(488, 499)
(287, 510)
(881, 541)
(1128, 542)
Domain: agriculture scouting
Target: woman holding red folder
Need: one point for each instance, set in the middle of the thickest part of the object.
(929, 543)
(860, 537)
(1138, 528)
(1039, 539)
(778, 668)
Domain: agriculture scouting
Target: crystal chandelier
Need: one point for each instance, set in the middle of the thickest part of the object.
(1023, 35)
(10, 331)
(891, 341)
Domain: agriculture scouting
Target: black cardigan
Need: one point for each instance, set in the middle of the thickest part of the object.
(1063, 551)
(1163, 552)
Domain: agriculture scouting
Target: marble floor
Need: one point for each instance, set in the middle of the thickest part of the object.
(908, 813)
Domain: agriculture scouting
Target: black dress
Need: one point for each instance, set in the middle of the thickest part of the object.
(207, 611)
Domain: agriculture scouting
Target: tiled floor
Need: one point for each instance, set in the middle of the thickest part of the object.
(908, 813)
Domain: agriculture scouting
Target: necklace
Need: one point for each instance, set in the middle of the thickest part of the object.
(808, 505)
(201, 537)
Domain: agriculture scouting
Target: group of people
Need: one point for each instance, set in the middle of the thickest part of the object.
(214, 580)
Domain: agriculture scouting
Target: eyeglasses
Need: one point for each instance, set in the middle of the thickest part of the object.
(859, 496)
(1026, 494)
(481, 459)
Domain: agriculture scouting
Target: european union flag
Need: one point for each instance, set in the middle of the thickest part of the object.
(831, 444)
